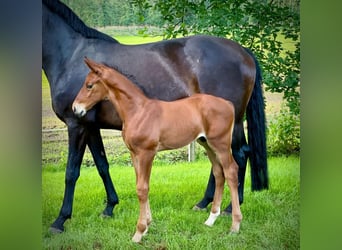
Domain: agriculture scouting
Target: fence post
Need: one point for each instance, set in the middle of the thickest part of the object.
(191, 151)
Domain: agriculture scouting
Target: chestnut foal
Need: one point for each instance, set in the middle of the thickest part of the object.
(152, 125)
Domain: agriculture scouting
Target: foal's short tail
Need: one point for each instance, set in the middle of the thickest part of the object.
(256, 123)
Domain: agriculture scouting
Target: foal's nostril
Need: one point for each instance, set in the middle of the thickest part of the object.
(77, 111)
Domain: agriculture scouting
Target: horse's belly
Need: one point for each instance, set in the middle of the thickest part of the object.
(174, 139)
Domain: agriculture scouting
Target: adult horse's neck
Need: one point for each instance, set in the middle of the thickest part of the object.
(58, 43)
(64, 35)
(125, 96)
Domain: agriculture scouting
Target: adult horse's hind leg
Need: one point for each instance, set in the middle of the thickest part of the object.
(210, 190)
(77, 144)
(97, 149)
(208, 194)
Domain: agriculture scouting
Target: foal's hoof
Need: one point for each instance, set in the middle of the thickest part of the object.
(197, 208)
(138, 236)
(233, 233)
(54, 230)
(234, 230)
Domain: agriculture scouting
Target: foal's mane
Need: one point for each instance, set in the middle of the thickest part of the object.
(129, 76)
(74, 21)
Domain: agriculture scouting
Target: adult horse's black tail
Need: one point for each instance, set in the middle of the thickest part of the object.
(256, 123)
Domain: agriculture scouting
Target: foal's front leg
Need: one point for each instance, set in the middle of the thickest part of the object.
(143, 164)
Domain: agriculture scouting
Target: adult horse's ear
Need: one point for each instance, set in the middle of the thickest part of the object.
(95, 67)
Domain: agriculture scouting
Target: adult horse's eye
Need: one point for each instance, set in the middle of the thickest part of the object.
(90, 86)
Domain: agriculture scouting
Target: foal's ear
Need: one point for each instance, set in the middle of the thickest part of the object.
(94, 66)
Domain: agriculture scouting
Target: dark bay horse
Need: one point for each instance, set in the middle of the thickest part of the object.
(152, 125)
(166, 70)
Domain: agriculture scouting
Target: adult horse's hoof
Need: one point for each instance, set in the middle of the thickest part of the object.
(226, 213)
(54, 230)
(197, 208)
(103, 215)
(108, 211)
(57, 227)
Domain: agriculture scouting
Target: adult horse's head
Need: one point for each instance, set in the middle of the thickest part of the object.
(93, 89)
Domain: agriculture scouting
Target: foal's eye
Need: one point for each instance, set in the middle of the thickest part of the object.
(90, 86)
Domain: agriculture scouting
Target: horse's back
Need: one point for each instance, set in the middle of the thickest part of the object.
(214, 105)
(223, 68)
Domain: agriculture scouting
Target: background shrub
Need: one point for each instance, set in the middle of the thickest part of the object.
(283, 133)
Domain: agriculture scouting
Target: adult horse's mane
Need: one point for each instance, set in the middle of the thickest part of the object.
(74, 21)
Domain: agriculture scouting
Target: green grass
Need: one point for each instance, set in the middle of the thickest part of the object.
(129, 40)
(271, 218)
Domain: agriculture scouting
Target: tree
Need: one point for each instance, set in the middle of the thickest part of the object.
(270, 28)
(100, 13)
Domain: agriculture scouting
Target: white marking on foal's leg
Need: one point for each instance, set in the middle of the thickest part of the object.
(212, 218)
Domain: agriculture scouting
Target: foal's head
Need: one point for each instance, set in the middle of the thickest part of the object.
(93, 90)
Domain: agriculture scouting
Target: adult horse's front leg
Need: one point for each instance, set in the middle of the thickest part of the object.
(96, 147)
(77, 144)
(143, 164)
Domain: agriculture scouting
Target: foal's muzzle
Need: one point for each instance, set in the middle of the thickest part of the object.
(78, 110)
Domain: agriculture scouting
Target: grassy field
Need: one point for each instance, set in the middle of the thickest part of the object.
(271, 218)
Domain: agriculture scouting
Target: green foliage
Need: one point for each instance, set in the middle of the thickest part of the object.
(100, 13)
(283, 137)
(269, 28)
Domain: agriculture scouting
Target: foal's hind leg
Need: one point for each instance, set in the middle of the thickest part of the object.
(240, 151)
(219, 186)
(230, 169)
(219, 183)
